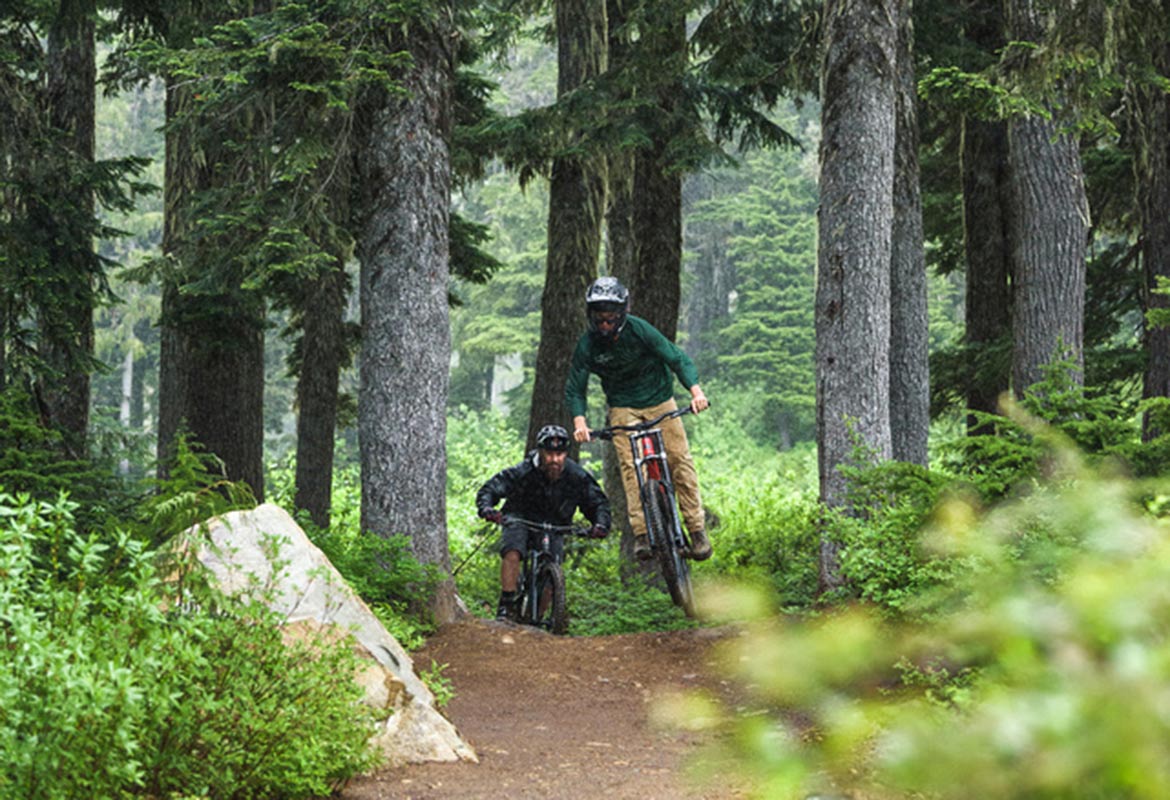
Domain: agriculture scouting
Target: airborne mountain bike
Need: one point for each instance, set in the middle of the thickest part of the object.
(668, 541)
(542, 601)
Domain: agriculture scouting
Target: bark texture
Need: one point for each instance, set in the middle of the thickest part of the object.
(620, 246)
(988, 304)
(576, 209)
(987, 248)
(909, 321)
(323, 351)
(1049, 228)
(655, 288)
(621, 260)
(858, 124)
(67, 330)
(211, 382)
(404, 173)
(1154, 203)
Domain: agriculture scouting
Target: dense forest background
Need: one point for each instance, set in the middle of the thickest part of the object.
(333, 254)
(293, 238)
(750, 234)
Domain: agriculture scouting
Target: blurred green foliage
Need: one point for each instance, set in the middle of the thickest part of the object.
(1006, 649)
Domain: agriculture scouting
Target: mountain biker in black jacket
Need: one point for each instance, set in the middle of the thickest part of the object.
(546, 486)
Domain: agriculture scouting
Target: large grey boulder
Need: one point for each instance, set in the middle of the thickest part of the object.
(240, 549)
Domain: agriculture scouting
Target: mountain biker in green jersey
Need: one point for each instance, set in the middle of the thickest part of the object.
(546, 486)
(637, 366)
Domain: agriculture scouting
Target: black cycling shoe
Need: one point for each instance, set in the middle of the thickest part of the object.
(506, 610)
(700, 549)
(642, 550)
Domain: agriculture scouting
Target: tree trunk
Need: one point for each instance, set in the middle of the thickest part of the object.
(1049, 228)
(988, 303)
(146, 334)
(620, 245)
(621, 255)
(1153, 178)
(125, 403)
(909, 322)
(858, 124)
(986, 200)
(323, 351)
(222, 363)
(67, 329)
(656, 289)
(211, 357)
(404, 179)
(575, 210)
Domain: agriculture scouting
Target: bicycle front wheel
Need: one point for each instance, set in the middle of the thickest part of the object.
(660, 521)
(553, 612)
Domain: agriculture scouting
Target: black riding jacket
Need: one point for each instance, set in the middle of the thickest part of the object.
(527, 493)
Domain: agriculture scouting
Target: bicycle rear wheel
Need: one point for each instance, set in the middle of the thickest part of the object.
(675, 571)
(551, 579)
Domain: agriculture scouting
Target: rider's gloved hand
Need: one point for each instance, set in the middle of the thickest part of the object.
(598, 532)
(491, 515)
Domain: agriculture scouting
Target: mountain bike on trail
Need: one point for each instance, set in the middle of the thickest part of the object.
(547, 487)
(542, 598)
(668, 541)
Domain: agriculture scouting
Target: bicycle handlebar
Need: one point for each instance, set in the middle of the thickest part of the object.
(607, 433)
(533, 525)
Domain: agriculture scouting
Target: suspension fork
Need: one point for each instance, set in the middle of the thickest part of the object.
(649, 458)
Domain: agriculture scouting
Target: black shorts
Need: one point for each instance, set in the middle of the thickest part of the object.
(520, 538)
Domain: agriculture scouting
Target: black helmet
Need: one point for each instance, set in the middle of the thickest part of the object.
(607, 296)
(554, 438)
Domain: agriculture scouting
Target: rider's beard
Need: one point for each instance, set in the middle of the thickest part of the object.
(552, 471)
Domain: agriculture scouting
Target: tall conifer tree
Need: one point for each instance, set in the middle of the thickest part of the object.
(858, 98)
(575, 215)
(1048, 226)
(404, 182)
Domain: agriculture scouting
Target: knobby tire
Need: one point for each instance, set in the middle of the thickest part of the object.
(675, 570)
(556, 616)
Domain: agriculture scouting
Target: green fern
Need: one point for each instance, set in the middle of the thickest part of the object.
(194, 491)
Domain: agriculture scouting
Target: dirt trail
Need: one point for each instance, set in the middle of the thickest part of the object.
(561, 717)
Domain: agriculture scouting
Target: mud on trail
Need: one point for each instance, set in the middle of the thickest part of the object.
(562, 717)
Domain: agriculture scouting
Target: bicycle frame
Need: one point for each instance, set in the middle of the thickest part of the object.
(659, 507)
(541, 573)
(533, 561)
(650, 464)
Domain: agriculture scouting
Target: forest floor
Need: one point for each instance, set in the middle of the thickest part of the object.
(564, 717)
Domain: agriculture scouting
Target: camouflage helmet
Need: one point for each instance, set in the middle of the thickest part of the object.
(606, 296)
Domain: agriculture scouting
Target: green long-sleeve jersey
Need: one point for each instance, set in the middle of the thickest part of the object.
(635, 370)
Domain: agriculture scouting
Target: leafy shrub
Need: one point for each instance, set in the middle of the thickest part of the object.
(881, 558)
(767, 532)
(104, 694)
(1017, 447)
(1042, 674)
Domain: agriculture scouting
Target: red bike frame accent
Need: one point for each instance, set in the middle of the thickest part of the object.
(653, 465)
